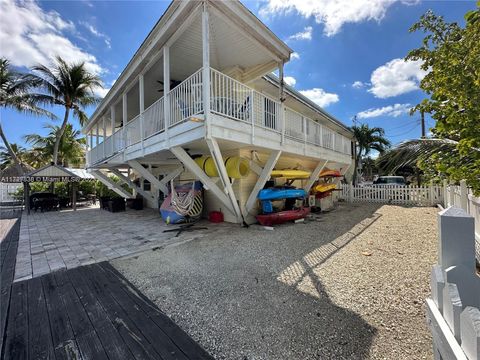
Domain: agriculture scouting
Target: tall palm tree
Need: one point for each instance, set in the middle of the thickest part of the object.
(71, 150)
(71, 86)
(368, 139)
(16, 93)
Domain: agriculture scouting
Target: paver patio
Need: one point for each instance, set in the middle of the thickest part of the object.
(52, 241)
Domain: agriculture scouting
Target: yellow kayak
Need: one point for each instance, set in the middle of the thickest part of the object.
(291, 174)
(322, 187)
(330, 173)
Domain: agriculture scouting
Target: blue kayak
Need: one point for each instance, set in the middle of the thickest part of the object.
(281, 193)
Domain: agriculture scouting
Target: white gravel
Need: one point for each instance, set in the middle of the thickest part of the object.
(349, 284)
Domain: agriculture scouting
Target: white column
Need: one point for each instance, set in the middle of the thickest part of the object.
(124, 119)
(206, 68)
(142, 105)
(91, 139)
(166, 88)
(97, 138)
(104, 134)
(281, 96)
(112, 119)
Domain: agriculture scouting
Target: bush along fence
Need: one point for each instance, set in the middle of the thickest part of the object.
(453, 311)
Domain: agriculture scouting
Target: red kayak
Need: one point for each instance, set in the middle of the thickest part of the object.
(283, 216)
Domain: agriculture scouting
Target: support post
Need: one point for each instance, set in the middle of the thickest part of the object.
(104, 134)
(208, 183)
(262, 179)
(112, 120)
(141, 101)
(206, 69)
(103, 178)
(130, 183)
(281, 96)
(314, 175)
(148, 175)
(166, 89)
(222, 172)
(74, 196)
(124, 121)
(97, 138)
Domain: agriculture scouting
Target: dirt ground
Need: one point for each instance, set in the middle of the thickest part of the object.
(349, 284)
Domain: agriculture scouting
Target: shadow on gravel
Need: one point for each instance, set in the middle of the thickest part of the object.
(254, 294)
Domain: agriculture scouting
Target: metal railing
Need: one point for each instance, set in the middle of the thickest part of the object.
(229, 98)
(186, 99)
(154, 119)
(132, 129)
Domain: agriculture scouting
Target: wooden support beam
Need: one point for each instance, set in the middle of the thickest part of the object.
(134, 164)
(222, 172)
(262, 179)
(103, 178)
(130, 183)
(208, 183)
(314, 175)
(171, 176)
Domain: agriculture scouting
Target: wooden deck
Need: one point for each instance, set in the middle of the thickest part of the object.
(90, 312)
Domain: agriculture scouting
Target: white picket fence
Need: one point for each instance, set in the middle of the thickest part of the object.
(453, 310)
(400, 195)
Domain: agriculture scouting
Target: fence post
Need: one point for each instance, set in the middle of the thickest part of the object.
(445, 193)
(464, 195)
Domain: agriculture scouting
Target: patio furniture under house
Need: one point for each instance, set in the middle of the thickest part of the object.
(201, 85)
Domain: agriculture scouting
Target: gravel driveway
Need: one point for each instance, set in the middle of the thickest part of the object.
(348, 285)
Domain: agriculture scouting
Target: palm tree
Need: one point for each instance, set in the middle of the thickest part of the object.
(16, 93)
(8, 161)
(71, 150)
(411, 152)
(368, 139)
(71, 86)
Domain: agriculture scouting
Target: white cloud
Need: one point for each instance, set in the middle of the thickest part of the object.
(290, 80)
(295, 56)
(332, 13)
(306, 34)
(396, 77)
(29, 35)
(97, 33)
(391, 110)
(358, 84)
(320, 96)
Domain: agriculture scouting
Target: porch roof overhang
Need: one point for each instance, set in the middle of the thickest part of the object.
(164, 30)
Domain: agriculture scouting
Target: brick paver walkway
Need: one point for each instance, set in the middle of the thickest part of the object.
(63, 240)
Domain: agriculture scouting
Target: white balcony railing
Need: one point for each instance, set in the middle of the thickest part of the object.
(228, 98)
(154, 119)
(132, 129)
(186, 99)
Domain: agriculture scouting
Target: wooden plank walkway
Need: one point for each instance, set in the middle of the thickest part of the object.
(90, 312)
(9, 233)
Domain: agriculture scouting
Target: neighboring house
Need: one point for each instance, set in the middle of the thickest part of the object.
(201, 83)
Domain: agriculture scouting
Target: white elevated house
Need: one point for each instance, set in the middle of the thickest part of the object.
(202, 83)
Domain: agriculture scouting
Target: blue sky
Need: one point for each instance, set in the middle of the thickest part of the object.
(348, 53)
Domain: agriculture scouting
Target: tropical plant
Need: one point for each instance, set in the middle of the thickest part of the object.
(451, 55)
(368, 139)
(71, 150)
(8, 161)
(71, 86)
(16, 93)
